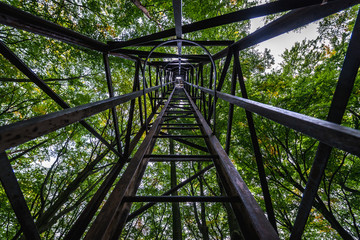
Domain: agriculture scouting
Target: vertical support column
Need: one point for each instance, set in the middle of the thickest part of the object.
(144, 95)
(152, 102)
(137, 80)
(201, 70)
(210, 97)
(131, 113)
(193, 81)
(107, 224)
(16, 198)
(337, 109)
(197, 93)
(176, 217)
(221, 80)
(157, 95)
(111, 94)
(256, 147)
(231, 111)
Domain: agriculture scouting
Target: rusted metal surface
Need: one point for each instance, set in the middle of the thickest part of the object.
(294, 19)
(241, 15)
(20, 132)
(14, 59)
(339, 102)
(111, 94)
(106, 222)
(16, 198)
(79, 227)
(256, 147)
(251, 218)
(327, 132)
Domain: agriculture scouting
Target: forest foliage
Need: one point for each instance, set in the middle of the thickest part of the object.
(60, 172)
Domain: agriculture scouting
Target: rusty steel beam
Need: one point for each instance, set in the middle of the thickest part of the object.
(16, 198)
(14, 134)
(241, 15)
(111, 95)
(294, 19)
(17, 18)
(174, 44)
(14, 59)
(339, 102)
(179, 199)
(105, 224)
(256, 147)
(250, 216)
(79, 227)
(327, 132)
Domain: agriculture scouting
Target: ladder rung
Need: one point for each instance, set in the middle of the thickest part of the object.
(168, 111)
(177, 156)
(179, 128)
(179, 199)
(180, 136)
(179, 160)
(180, 124)
(179, 116)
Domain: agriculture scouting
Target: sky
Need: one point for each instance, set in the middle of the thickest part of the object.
(278, 44)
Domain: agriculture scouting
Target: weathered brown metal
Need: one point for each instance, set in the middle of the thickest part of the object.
(16, 198)
(107, 220)
(173, 189)
(251, 218)
(14, 59)
(339, 102)
(111, 94)
(327, 132)
(256, 147)
(14, 134)
(294, 19)
(79, 227)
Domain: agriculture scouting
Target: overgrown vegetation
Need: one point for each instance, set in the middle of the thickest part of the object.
(59, 172)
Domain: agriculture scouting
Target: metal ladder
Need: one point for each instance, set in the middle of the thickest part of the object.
(115, 212)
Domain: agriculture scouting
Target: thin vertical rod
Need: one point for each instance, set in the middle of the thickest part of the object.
(337, 109)
(256, 147)
(131, 113)
(231, 112)
(111, 94)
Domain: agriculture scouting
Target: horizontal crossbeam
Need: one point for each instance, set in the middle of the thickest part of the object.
(241, 15)
(17, 133)
(329, 133)
(288, 22)
(174, 44)
(178, 199)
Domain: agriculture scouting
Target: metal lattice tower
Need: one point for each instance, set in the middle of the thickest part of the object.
(180, 102)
